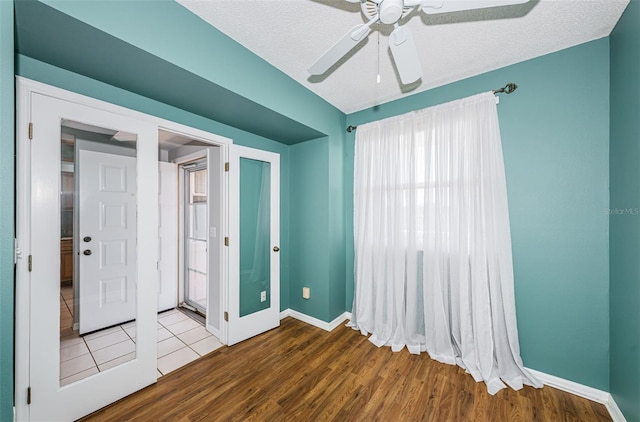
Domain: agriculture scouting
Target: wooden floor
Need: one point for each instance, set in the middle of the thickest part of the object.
(301, 373)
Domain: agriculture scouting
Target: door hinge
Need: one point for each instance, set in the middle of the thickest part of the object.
(30, 130)
(226, 316)
(17, 253)
(226, 166)
(29, 395)
(226, 241)
(30, 263)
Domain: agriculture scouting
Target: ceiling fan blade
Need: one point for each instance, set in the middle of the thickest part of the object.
(444, 6)
(352, 38)
(405, 55)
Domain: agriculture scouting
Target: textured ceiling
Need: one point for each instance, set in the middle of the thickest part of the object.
(292, 34)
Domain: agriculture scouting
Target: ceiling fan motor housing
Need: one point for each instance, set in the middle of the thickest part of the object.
(390, 11)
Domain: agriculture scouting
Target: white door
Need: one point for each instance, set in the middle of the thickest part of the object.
(168, 236)
(53, 395)
(107, 239)
(254, 243)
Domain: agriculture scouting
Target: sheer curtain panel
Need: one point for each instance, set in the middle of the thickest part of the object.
(433, 265)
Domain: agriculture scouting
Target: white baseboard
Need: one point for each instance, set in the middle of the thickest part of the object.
(581, 390)
(327, 326)
(614, 410)
(284, 314)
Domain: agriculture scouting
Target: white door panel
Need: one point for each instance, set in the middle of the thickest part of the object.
(107, 223)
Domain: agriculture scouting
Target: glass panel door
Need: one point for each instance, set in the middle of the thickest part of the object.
(254, 242)
(196, 229)
(92, 287)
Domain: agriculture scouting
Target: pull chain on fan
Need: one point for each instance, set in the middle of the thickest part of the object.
(378, 49)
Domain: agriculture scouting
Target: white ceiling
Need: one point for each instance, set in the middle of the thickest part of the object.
(292, 34)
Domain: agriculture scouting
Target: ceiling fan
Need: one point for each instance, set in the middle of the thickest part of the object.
(403, 49)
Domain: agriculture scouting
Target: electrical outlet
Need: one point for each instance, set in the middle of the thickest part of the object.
(263, 296)
(306, 293)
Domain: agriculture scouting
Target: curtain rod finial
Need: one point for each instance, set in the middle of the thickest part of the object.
(507, 89)
(510, 88)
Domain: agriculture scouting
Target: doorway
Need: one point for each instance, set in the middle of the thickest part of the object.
(192, 204)
(195, 229)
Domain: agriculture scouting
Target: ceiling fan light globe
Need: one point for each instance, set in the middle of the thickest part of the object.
(390, 11)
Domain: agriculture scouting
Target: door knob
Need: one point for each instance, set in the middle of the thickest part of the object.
(276, 249)
(86, 239)
(87, 252)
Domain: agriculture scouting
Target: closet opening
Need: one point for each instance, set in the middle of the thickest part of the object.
(190, 220)
(195, 228)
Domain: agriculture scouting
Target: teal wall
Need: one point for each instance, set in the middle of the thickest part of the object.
(337, 237)
(308, 260)
(555, 136)
(6, 209)
(625, 227)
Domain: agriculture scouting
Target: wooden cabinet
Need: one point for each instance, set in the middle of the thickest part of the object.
(66, 228)
(66, 260)
(66, 205)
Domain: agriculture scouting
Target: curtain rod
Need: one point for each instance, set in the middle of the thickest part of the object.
(507, 89)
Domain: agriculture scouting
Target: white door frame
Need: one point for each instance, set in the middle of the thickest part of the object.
(213, 200)
(183, 194)
(185, 159)
(24, 90)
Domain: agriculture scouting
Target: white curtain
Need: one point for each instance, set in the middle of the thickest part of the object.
(433, 265)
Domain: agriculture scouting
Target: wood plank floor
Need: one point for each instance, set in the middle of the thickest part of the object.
(301, 373)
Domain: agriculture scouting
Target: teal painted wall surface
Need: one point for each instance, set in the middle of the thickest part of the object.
(309, 219)
(555, 136)
(6, 209)
(337, 217)
(624, 221)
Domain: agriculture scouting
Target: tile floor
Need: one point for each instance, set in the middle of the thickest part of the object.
(180, 341)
